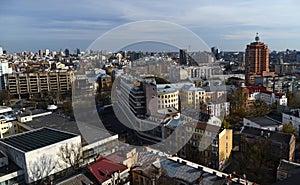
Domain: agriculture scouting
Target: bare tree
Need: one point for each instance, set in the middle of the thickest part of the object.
(41, 168)
(70, 155)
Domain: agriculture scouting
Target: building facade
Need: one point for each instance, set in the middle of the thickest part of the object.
(37, 151)
(256, 61)
(37, 83)
(292, 117)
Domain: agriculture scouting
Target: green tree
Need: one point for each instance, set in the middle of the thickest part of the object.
(288, 128)
(225, 123)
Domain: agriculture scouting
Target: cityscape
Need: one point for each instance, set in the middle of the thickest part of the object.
(165, 109)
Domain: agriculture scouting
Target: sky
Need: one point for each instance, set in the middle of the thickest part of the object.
(230, 25)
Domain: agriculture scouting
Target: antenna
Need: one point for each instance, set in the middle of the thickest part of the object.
(256, 37)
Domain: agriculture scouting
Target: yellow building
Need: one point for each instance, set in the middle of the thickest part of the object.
(209, 145)
(225, 145)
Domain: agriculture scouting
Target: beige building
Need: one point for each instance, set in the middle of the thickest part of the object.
(167, 97)
(193, 96)
(35, 83)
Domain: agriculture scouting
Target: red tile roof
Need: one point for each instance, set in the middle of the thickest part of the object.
(103, 168)
(252, 89)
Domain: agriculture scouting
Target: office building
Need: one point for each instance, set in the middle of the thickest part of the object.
(183, 57)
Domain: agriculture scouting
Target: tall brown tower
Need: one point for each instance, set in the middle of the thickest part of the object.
(256, 60)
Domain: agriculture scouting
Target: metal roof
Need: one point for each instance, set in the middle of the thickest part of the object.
(35, 139)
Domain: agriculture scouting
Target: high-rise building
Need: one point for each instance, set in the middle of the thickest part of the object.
(182, 57)
(257, 61)
(1, 51)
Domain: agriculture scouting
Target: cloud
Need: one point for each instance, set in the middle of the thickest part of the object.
(215, 20)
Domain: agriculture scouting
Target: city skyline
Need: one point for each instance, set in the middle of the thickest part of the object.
(228, 25)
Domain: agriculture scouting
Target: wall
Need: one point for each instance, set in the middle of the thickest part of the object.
(46, 158)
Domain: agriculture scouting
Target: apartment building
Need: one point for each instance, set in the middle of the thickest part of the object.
(35, 83)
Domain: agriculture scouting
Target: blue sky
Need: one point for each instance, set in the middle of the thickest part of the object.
(230, 25)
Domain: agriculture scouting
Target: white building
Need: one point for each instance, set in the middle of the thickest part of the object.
(265, 123)
(167, 97)
(220, 109)
(4, 68)
(37, 151)
(273, 97)
(292, 117)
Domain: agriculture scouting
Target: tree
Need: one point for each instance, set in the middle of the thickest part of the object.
(260, 108)
(225, 123)
(71, 156)
(288, 128)
(41, 168)
(237, 101)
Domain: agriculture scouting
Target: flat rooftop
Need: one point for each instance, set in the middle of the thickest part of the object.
(60, 122)
(10, 168)
(4, 109)
(273, 135)
(264, 121)
(35, 139)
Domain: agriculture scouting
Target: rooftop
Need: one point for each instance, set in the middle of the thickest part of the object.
(294, 112)
(4, 109)
(10, 168)
(165, 89)
(61, 122)
(35, 139)
(186, 173)
(264, 121)
(79, 179)
(288, 166)
(273, 135)
(103, 168)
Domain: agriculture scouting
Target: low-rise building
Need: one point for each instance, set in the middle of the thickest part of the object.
(37, 152)
(10, 173)
(293, 117)
(108, 172)
(282, 144)
(261, 93)
(264, 122)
